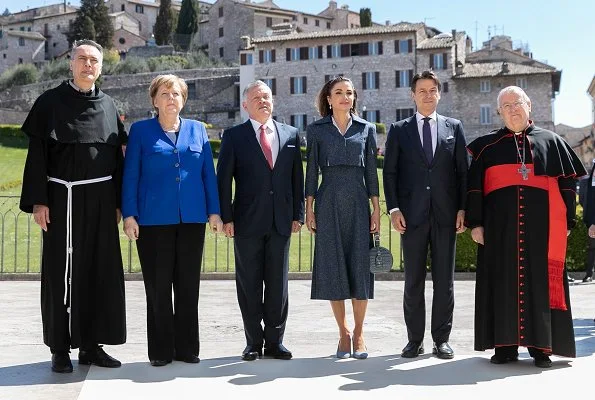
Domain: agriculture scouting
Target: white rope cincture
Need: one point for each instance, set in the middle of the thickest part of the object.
(69, 248)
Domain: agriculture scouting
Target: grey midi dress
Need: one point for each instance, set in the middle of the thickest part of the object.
(347, 164)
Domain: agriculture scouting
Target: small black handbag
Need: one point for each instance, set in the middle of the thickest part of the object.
(381, 259)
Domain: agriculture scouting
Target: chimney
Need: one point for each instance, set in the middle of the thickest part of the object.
(332, 5)
(454, 39)
(458, 68)
(64, 5)
(387, 22)
(505, 69)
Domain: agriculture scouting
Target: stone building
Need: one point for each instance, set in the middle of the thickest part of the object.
(229, 20)
(381, 61)
(52, 21)
(20, 47)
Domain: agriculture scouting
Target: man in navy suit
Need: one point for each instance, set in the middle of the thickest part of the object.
(263, 159)
(425, 184)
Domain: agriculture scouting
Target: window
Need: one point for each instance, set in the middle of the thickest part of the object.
(403, 78)
(231, 115)
(122, 40)
(266, 56)
(191, 90)
(298, 85)
(315, 53)
(220, 12)
(358, 49)
(220, 31)
(438, 61)
(57, 27)
(333, 51)
(272, 83)
(485, 86)
(305, 20)
(294, 17)
(371, 115)
(20, 60)
(520, 82)
(293, 54)
(285, 20)
(374, 48)
(0, 34)
(221, 52)
(329, 77)
(4, 55)
(54, 44)
(403, 46)
(445, 87)
(245, 58)
(485, 117)
(269, 22)
(317, 22)
(370, 80)
(328, 25)
(403, 113)
(139, 9)
(123, 7)
(21, 41)
(300, 121)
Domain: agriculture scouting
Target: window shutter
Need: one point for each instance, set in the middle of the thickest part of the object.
(304, 121)
(444, 59)
(365, 115)
(431, 61)
(291, 86)
(397, 46)
(273, 55)
(363, 49)
(377, 115)
(319, 51)
(379, 47)
(329, 51)
(274, 88)
(397, 79)
(303, 53)
(243, 59)
(410, 45)
(445, 87)
(377, 79)
(345, 50)
(287, 54)
(305, 80)
(410, 76)
(261, 56)
(364, 83)
(292, 120)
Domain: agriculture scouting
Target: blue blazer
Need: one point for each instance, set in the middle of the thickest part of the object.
(166, 183)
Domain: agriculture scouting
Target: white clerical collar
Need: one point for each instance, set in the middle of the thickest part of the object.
(78, 89)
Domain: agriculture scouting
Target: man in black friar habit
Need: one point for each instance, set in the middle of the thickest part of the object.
(521, 207)
(71, 184)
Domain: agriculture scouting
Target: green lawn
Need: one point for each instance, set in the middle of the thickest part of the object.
(20, 238)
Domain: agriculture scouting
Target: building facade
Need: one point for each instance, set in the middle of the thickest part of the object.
(18, 47)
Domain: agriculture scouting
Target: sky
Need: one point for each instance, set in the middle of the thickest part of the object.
(558, 33)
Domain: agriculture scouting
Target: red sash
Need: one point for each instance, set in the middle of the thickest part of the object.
(500, 176)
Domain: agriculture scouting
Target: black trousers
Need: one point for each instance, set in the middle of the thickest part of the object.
(262, 266)
(442, 242)
(171, 257)
(590, 262)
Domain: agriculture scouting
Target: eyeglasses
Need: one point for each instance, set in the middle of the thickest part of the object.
(510, 106)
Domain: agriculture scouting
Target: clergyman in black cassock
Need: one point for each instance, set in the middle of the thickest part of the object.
(75, 156)
(520, 207)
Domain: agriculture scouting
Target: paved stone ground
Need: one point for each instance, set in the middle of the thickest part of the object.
(311, 335)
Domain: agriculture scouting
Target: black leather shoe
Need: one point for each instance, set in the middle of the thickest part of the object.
(190, 359)
(99, 357)
(159, 363)
(443, 351)
(413, 349)
(503, 358)
(61, 362)
(251, 353)
(542, 361)
(278, 351)
(587, 279)
(570, 279)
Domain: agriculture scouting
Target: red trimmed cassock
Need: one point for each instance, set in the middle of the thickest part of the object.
(521, 293)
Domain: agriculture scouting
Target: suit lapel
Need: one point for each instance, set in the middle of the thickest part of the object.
(443, 131)
(413, 133)
(252, 142)
(283, 135)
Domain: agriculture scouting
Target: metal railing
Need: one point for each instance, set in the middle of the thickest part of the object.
(21, 245)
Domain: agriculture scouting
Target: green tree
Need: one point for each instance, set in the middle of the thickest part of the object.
(164, 23)
(92, 14)
(365, 17)
(187, 20)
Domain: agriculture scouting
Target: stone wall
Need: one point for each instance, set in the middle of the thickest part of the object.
(150, 51)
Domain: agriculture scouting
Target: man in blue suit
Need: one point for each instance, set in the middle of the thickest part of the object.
(425, 184)
(262, 157)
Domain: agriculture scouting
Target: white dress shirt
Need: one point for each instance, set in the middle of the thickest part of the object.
(270, 130)
(433, 128)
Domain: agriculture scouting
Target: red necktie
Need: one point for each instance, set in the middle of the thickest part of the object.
(266, 145)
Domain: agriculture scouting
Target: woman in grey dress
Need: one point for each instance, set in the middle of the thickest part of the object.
(342, 147)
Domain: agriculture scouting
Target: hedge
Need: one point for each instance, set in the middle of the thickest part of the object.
(11, 131)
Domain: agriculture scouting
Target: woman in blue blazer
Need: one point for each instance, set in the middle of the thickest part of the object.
(170, 190)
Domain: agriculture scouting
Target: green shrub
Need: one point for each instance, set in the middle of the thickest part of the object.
(380, 128)
(21, 74)
(466, 257)
(132, 65)
(111, 58)
(167, 63)
(56, 69)
(215, 146)
(11, 131)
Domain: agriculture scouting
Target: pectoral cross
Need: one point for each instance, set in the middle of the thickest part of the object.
(524, 171)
